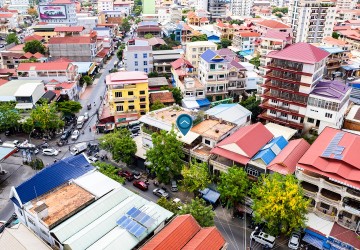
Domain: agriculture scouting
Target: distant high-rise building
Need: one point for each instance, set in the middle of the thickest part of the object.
(241, 7)
(216, 8)
(311, 22)
(346, 4)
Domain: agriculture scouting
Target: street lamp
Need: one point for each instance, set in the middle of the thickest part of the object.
(30, 135)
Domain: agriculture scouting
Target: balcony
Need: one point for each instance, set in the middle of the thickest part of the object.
(329, 197)
(281, 121)
(352, 206)
(326, 216)
(345, 222)
(285, 78)
(310, 190)
(286, 67)
(129, 98)
(308, 177)
(201, 152)
(284, 88)
(284, 109)
(330, 185)
(352, 193)
(282, 98)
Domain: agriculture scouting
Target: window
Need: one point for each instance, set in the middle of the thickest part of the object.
(194, 49)
(325, 206)
(207, 142)
(120, 108)
(221, 76)
(136, 63)
(200, 93)
(143, 113)
(135, 55)
(131, 107)
(142, 92)
(285, 104)
(193, 56)
(294, 117)
(131, 93)
(20, 211)
(283, 114)
(142, 99)
(144, 55)
(118, 94)
(145, 63)
(310, 120)
(143, 106)
(211, 77)
(31, 221)
(136, 69)
(212, 66)
(252, 172)
(131, 101)
(273, 112)
(248, 118)
(328, 115)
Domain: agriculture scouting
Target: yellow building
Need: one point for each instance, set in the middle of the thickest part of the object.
(128, 95)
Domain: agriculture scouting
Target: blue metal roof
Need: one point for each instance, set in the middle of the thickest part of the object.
(209, 55)
(332, 50)
(271, 150)
(203, 102)
(210, 195)
(53, 176)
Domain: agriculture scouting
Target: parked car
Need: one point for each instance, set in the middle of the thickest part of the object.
(136, 174)
(174, 186)
(93, 159)
(140, 185)
(88, 106)
(135, 130)
(50, 151)
(75, 135)
(65, 135)
(126, 174)
(86, 116)
(294, 241)
(263, 238)
(350, 78)
(43, 145)
(160, 192)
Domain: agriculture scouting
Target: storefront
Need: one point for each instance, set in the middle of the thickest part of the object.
(316, 240)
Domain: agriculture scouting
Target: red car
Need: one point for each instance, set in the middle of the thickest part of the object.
(140, 185)
(128, 176)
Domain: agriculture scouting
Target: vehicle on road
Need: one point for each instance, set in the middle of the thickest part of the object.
(294, 241)
(86, 115)
(140, 185)
(263, 238)
(350, 78)
(50, 151)
(65, 135)
(75, 135)
(126, 174)
(78, 148)
(160, 192)
(135, 130)
(174, 186)
(136, 174)
(88, 106)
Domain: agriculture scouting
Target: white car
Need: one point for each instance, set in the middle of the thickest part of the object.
(50, 151)
(263, 238)
(92, 159)
(86, 115)
(294, 241)
(75, 135)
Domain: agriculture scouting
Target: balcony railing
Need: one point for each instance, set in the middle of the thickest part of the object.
(319, 212)
(129, 98)
(328, 201)
(350, 209)
(219, 166)
(305, 177)
(309, 193)
(347, 223)
(332, 187)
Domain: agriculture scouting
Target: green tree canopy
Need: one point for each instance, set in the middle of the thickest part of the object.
(177, 95)
(120, 144)
(201, 37)
(238, 22)
(110, 171)
(168, 204)
(196, 177)
(12, 38)
(157, 105)
(203, 214)
(9, 116)
(165, 155)
(253, 105)
(335, 35)
(282, 10)
(255, 61)
(86, 79)
(234, 185)
(34, 46)
(279, 201)
(68, 107)
(224, 43)
(163, 47)
(125, 25)
(148, 36)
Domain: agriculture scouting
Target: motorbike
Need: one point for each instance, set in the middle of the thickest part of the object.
(156, 184)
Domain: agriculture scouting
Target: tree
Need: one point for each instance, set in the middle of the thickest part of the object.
(201, 37)
(279, 201)
(253, 105)
(282, 10)
(110, 171)
(163, 47)
(125, 25)
(157, 105)
(68, 107)
(168, 204)
(279, 15)
(335, 35)
(44, 118)
(12, 38)
(31, 60)
(225, 42)
(137, 20)
(153, 74)
(165, 155)
(196, 177)
(148, 36)
(177, 95)
(255, 61)
(86, 79)
(234, 185)
(202, 213)
(238, 22)
(9, 116)
(32, 12)
(120, 144)
(114, 70)
(34, 46)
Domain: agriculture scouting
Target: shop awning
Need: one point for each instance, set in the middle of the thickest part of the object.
(24, 106)
(203, 102)
(210, 195)
(314, 241)
(347, 68)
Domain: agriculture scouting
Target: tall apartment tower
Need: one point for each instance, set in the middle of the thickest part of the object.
(216, 8)
(312, 21)
(346, 4)
(241, 7)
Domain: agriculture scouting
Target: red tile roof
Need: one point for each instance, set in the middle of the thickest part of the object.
(272, 24)
(274, 34)
(244, 143)
(62, 59)
(69, 29)
(249, 34)
(102, 53)
(43, 66)
(28, 55)
(33, 37)
(7, 71)
(206, 239)
(38, 55)
(163, 97)
(175, 235)
(3, 81)
(70, 39)
(345, 170)
(6, 15)
(333, 41)
(181, 62)
(300, 52)
(345, 235)
(285, 162)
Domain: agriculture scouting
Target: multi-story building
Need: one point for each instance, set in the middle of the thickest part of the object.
(213, 73)
(216, 8)
(58, 12)
(245, 41)
(193, 18)
(195, 49)
(347, 14)
(162, 59)
(336, 60)
(264, 26)
(128, 95)
(69, 30)
(241, 7)
(47, 71)
(104, 5)
(138, 58)
(294, 71)
(345, 4)
(148, 27)
(123, 7)
(8, 21)
(11, 60)
(328, 173)
(311, 22)
(76, 48)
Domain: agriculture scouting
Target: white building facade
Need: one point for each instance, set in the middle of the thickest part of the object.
(138, 58)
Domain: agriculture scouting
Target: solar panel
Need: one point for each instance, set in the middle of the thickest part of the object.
(339, 157)
(333, 147)
(141, 217)
(131, 226)
(131, 211)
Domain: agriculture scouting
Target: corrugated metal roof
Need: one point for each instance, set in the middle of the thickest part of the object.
(271, 150)
(229, 112)
(53, 176)
(212, 56)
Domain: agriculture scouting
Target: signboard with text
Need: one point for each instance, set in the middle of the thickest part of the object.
(52, 11)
